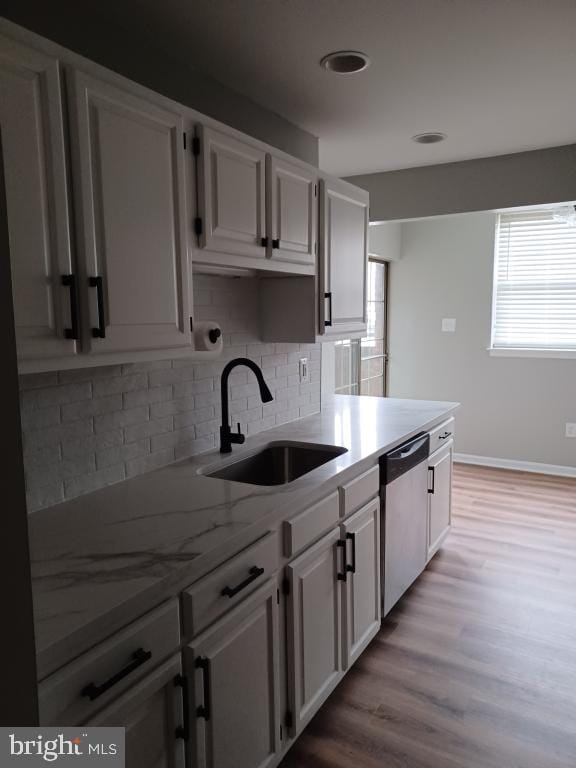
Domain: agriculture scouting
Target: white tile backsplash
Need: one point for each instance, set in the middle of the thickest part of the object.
(87, 428)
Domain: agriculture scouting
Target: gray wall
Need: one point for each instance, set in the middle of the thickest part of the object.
(81, 27)
(512, 408)
(525, 178)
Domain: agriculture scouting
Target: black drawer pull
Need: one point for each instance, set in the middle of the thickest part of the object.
(254, 572)
(203, 710)
(352, 568)
(93, 691)
(445, 436)
(264, 242)
(100, 332)
(328, 295)
(276, 242)
(341, 543)
(69, 281)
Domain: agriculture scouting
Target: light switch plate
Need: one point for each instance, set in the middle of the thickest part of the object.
(304, 370)
(448, 324)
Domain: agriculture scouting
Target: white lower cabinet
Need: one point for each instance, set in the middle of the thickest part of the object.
(314, 627)
(361, 604)
(233, 670)
(153, 714)
(439, 497)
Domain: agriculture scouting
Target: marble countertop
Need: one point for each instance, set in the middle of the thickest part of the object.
(103, 559)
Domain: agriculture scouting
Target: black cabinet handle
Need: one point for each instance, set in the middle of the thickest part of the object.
(276, 242)
(445, 436)
(431, 469)
(93, 691)
(183, 731)
(328, 295)
(352, 538)
(69, 281)
(264, 242)
(341, 543)
(203, 710)
(254, 573)
(96, 282)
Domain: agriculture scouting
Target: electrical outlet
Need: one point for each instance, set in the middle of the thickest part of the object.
(304, 371)
(570, 429)
(449, 324)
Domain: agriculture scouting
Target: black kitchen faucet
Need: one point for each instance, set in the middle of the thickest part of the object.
(227, 437)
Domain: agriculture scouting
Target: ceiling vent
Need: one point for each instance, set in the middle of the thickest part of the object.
(345, 62)
(433, 137)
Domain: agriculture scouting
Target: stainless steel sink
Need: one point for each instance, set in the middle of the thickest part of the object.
(279, 463)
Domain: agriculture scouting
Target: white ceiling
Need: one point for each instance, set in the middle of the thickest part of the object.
(496, 76)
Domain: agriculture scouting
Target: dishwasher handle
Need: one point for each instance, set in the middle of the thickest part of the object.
(404, 458)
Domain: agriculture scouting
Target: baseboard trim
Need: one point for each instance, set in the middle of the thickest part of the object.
(521, 466)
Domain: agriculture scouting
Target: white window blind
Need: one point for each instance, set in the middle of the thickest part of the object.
(534, 282)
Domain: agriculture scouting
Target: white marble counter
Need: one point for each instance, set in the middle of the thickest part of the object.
(103, 559)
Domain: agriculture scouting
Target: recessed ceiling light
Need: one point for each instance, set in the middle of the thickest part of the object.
(345, 62)
(433, 137)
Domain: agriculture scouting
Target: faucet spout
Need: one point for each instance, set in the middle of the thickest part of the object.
(227, 437)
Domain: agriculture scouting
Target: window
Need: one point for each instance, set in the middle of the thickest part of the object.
(534, 306)
(361, 363)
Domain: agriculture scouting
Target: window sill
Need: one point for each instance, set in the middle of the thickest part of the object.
(559, 354)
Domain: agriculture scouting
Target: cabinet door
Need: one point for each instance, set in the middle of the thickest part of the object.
(439, 497)
(343, 258)
(314, 627)
(152, 713)
(292, 207)
(361, 604)
(231, 195)
(234, 670)
(129, 184)
(35, 177)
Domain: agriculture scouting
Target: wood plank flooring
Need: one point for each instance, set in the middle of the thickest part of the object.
(476, 667)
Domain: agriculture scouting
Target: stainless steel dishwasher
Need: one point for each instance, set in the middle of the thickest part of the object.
(404, 504)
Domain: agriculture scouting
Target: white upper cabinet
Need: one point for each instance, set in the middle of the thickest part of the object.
(128, 164)
(231, 199)
(35, 178)
(344, 217)
(292, 207)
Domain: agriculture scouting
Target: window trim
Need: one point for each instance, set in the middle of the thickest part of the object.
(519, 352)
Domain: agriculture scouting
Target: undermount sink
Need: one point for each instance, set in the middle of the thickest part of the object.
(279, 463)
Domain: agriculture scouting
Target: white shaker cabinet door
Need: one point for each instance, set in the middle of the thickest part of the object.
(128, 162)
(31, 127)
(343, 257)
(293, 207)
(362, 587)
(439, 497)
(231, 195)
(152, 713)
(314, 627)
(234, 675)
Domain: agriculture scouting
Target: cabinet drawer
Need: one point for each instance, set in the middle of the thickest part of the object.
(209, 598)
(310, 524)
(359, 491)
(441, 434)
(73, 694)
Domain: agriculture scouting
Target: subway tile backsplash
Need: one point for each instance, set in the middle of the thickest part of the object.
(87, 428)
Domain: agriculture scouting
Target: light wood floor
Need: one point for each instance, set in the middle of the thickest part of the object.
(477, 665)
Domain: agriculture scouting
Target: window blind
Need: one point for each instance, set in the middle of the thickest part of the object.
(534, 282)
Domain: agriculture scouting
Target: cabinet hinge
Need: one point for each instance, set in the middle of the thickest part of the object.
(196, 146)
(198, 225)
(288, 719)
(184, 139)
(285, 586)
